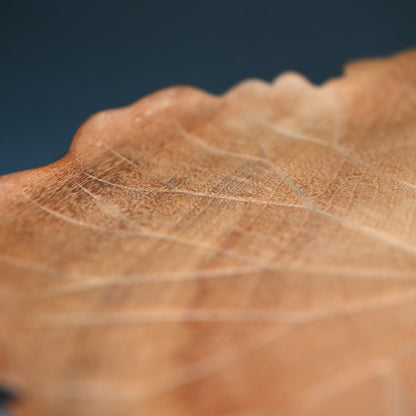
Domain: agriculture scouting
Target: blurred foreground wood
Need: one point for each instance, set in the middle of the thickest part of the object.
(249, 254)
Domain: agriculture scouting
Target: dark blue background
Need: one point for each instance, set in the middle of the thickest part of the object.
(62, 61)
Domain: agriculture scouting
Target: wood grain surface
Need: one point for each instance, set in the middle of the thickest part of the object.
(246, 254)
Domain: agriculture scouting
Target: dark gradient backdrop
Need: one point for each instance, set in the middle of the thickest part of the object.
(64, 60)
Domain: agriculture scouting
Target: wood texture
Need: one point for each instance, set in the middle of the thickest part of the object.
(248, 254)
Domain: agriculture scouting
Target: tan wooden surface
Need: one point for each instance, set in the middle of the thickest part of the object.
(248, 254)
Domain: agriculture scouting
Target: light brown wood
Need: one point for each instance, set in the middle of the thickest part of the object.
(249, 254)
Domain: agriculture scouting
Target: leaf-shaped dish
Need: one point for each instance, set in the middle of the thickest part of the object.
(249, 254)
